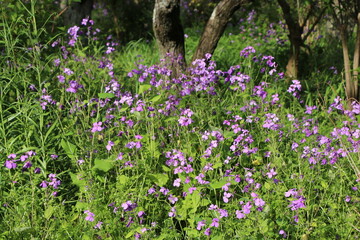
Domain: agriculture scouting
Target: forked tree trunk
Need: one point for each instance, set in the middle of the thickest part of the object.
(170, 34)
(76, 11)
(215, 27)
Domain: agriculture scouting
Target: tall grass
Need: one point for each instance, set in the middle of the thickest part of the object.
(99, 142)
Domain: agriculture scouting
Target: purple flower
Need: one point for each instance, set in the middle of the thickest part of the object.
(28, 164)
(226, 197)
(177, 182)
(294, 88)
(259, 202)
(207, 232)
(85, 21)
(184, 121)
(172, 199)
(215, 222)
(97, 127)
(68, 71)
(309, 109)
(272, 173)
(172, 212)
(164, 191)
(98, 225)
(283, 233)
(223, 213)
(240, 214)
(141, 214)
(109, 145)
(10, 164)
(61, 78)
(128, 206)
(247, 208)
(247, 51)
(89, 216)
(200, 225)
(43, 184)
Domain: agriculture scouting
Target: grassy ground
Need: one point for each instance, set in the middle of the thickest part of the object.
(98, 142)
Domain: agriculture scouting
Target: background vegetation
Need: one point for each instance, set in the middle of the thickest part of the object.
(99, 142)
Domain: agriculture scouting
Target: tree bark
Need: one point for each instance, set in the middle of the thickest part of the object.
(76, 11)
(349, 87)
(170, 34)
(292, 67)
(295, 32)
(357, 59)
(215, 27)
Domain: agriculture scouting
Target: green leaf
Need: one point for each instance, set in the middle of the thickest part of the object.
(70, 149)
(123, 109)
(103, 164)
(49, 212)
(106, 95)
(155, 99)
(193, 233)
(77, 180)
(218, 184)
(144, 88)
(81, 205)
(159, 179)
(132, 232)
(122, 179)
(165, 168)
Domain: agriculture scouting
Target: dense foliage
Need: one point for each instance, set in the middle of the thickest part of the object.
(100, 142)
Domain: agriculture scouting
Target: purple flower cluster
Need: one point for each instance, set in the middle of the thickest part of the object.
(297, 202)
(25, 158)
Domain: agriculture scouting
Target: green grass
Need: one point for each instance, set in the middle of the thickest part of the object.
(146, 155)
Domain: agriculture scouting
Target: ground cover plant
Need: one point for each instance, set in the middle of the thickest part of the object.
(98, 143)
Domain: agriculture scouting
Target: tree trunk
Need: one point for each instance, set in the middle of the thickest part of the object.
(76, 11)
(292, 67)
(215, 27)
(295, 32)
(349, 85)
(356, 59)
(170, 34)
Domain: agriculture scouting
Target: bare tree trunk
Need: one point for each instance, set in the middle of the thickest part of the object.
(349, 86)
(292, 67)
(170, 34)
(356, 59)
(76, 11)
(215, 27)
(295, 31)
